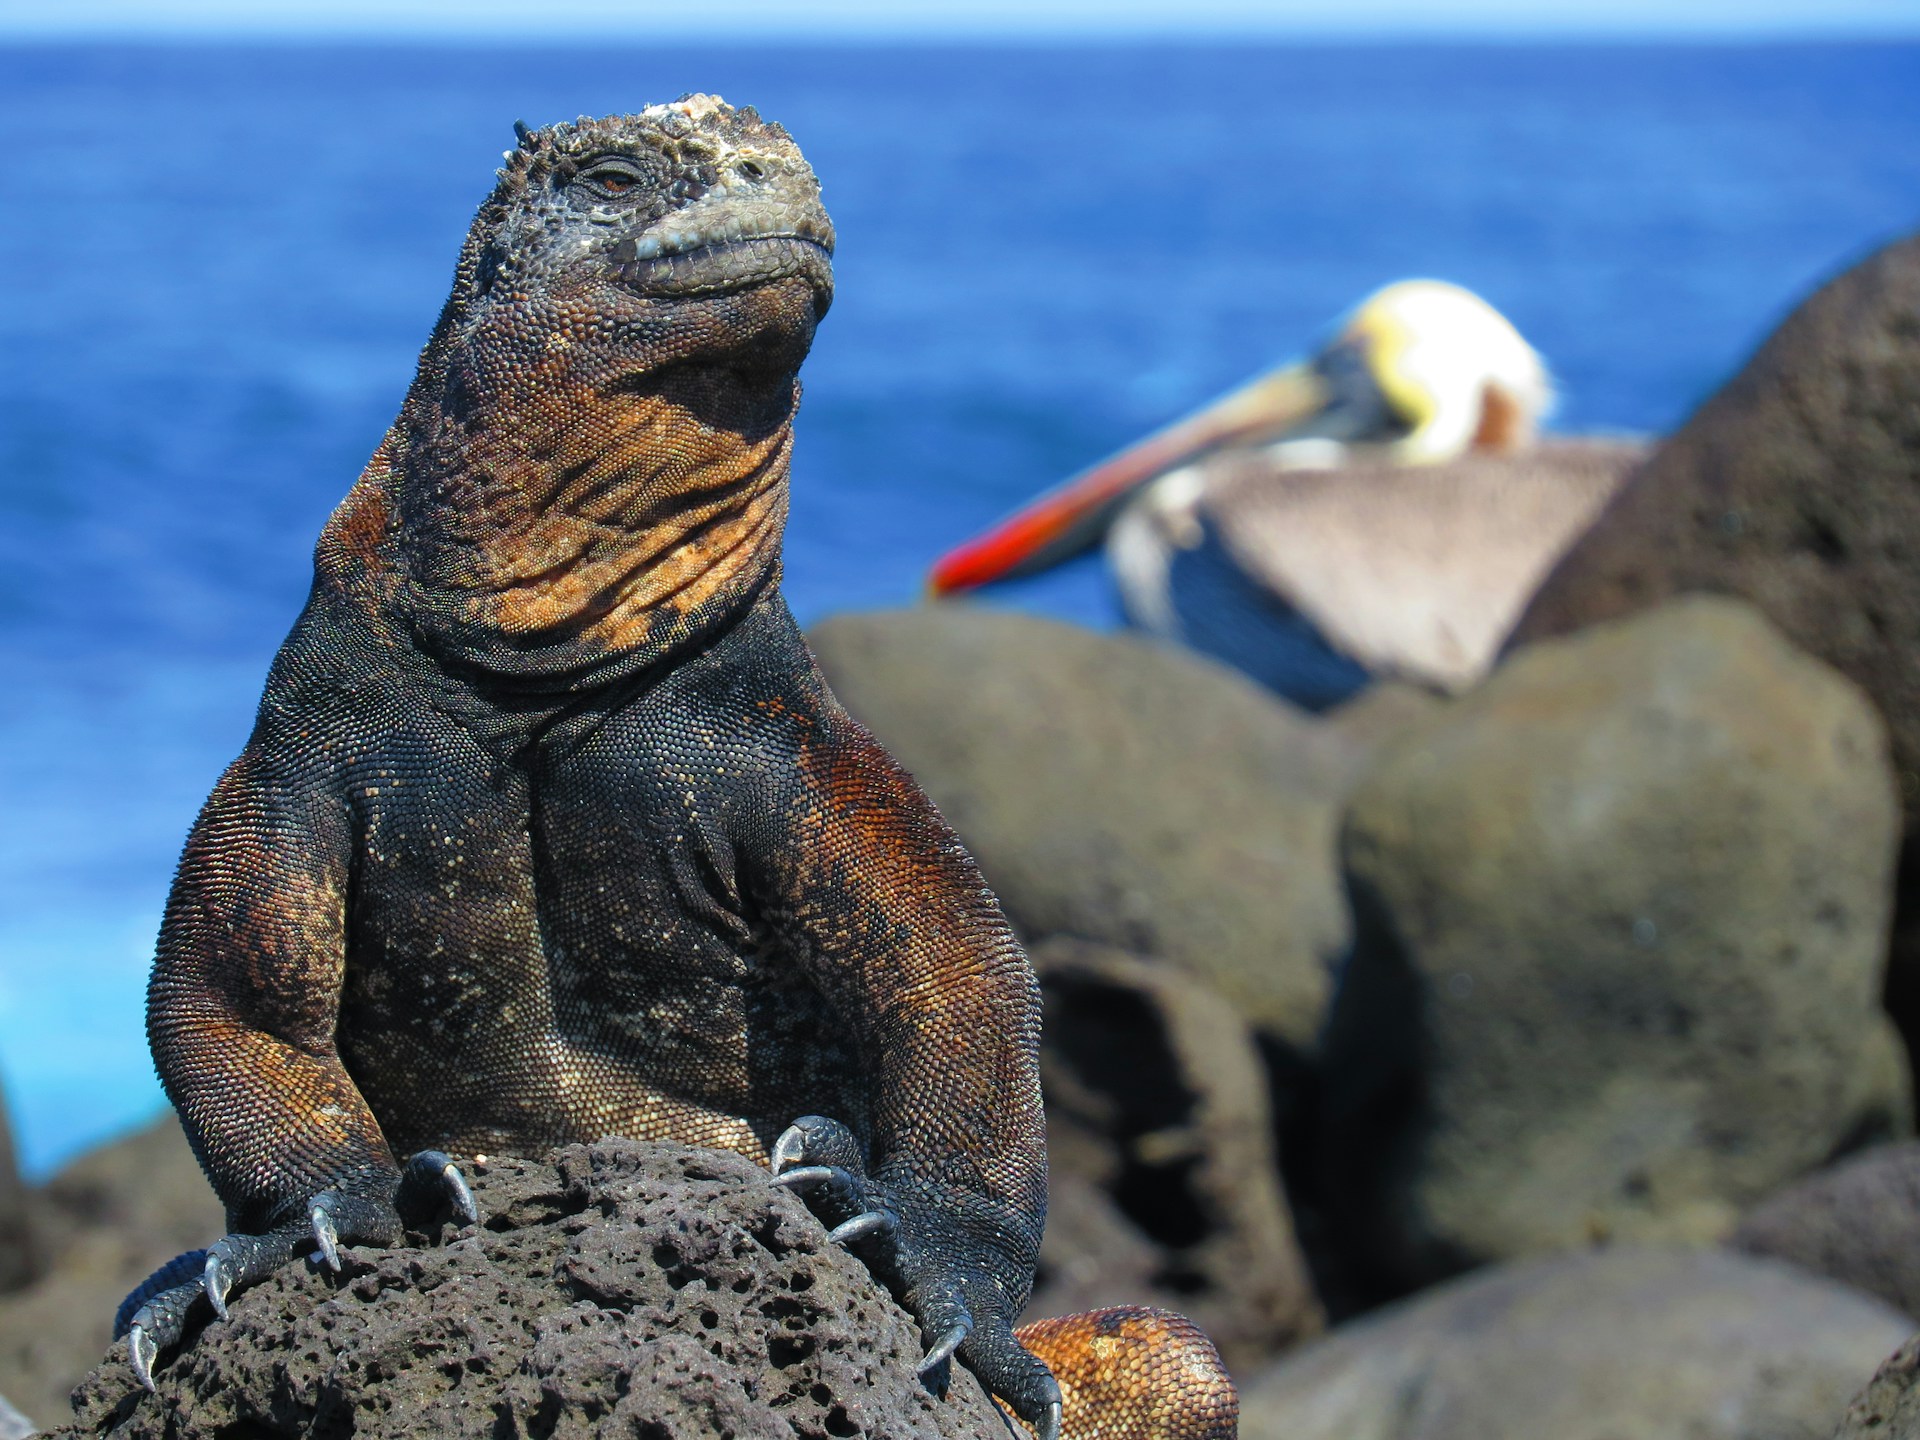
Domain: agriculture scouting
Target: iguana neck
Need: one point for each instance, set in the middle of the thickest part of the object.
(561, 535)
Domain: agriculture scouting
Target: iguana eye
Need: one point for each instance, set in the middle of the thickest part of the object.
(612, 177)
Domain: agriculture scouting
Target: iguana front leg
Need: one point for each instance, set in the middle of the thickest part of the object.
(241, 1013)
(873, 894)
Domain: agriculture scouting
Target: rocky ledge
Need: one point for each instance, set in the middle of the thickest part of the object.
(622, 1288)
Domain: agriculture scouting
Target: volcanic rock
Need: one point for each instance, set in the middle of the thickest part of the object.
(1620, 922)
(1858, 1223)
(623, 1288)
(1118, 791)
(1626, 1344)
(1165, 1187)
(1889, 1408)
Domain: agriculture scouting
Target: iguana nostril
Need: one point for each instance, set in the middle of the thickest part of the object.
(750, 170)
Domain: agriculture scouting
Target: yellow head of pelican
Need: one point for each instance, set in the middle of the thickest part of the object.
(1421, 369)
(1452, 372)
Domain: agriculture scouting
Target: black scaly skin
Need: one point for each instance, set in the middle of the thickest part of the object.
(549, 829)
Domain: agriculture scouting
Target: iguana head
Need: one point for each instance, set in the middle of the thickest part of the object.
(681, 203)
(593, 455)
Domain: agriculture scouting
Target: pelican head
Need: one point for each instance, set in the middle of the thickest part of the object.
(1421, 370)
(1444, 371)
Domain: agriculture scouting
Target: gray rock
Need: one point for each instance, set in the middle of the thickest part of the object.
(1889, 1408)
(105, 1220)
(1620, 925)
(626, 1288)
(1629, 1344)
(1165, 1189)
(1797, 488)
(1118, 791)
(1381, 714)
(1858, 1223)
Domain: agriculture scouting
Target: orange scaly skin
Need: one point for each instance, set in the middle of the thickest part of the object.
(549, 828)
(1132, 1372)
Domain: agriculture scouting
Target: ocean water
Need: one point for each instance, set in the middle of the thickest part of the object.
(219, 264)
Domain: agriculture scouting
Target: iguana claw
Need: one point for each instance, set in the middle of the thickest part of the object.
(459, 1195)
(431, 1179)
(141, 1353)
(942, 1349)
(872, 1222)
(789, 1149)
(816, 1140)
(803, 1177)
(327, 1236)
(843, 1189)
(217, 1281)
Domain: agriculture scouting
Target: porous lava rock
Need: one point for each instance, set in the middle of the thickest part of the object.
(621, 1289)
(1118, 791)
(1889, 1408)
(1166, 1189)
(1858, 1222)
(1620, 927)
(1621, 1344)
(104, 1220)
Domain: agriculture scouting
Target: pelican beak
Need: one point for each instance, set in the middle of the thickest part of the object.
(1073, 516)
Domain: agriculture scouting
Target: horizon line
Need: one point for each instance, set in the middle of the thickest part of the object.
(399, 30)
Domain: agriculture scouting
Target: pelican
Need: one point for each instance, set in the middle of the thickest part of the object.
(1383, 508)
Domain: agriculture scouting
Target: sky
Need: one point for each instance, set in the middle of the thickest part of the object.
(780, 19)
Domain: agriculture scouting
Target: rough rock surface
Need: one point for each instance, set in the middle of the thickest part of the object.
(1118, 791)
(1858, 1223)
(1620, 925)
(1627, 1344)
(1797, 488)
(625, 1288)
(105, 1221)
(1889, 1408)
(1164, 1182)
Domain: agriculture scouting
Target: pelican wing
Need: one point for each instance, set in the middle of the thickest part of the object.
(1415, 571)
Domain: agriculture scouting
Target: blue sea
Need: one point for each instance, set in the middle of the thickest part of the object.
(219, 263)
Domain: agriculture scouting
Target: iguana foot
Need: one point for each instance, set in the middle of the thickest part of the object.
(821, 1160)
(154, 1316)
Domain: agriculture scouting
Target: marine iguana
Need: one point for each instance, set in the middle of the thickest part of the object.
(549, 828)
